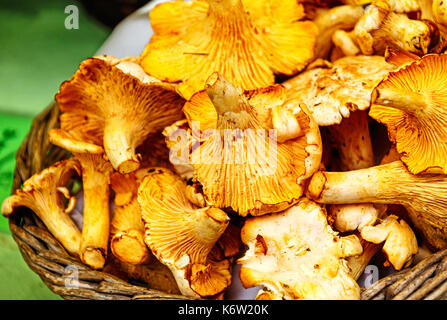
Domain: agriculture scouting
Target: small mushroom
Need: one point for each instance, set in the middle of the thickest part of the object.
(127, 227)
(236, 156)
(400, 243)
(296, 255)
(410, 103)
(424, 195)
(182, 235)
(113, 105)
(381, 26)
(261, 39)
(44, 194)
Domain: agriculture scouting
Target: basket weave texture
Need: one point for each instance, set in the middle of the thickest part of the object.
(46, 257)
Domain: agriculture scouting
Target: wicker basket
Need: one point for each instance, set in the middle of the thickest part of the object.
(45, 256)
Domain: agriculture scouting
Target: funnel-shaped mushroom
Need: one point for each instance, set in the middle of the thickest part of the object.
(181, 235)
(127, 227)
(113, 104)
(252, 152)
(424, 195)
(247, 41)
(43, 193)
(296, 255)
(411, 103)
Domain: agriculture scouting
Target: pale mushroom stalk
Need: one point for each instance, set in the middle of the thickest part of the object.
(405, 100)
(96, 216)
(329, 21)
(118, 141)
(344, 41)
(423, 195)
(43, 193)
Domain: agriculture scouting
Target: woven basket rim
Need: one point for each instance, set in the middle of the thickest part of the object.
(47, 258)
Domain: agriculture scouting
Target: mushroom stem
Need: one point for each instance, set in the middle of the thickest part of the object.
(409, 101)
(120, 147)
(96, 216)
(423, 195)
(223, 94)
(331, 20)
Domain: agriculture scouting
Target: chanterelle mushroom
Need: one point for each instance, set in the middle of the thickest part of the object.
(337, 95)
(127, 227)
(252, 152)
(182, 235)
(114, 104)
(331, 93)
(410, 102)
(382, 26)
(43, 193)
(400, 243)
(424, 195)
(332, 20)
(296, 255)
(260, 39)
(96, 173)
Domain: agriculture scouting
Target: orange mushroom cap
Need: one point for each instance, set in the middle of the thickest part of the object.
(182, 235)
(113, 104)
(237, 160)
(260, 39)
(411, 103)
(332, 93)
(295, 254)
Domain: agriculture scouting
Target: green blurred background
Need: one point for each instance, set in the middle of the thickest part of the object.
(37, 53)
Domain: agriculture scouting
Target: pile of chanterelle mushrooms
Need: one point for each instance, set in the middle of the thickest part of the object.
(251, 122)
